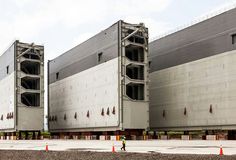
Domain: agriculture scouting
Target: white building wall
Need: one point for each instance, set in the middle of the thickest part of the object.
(90, 90)
(135, 115)
(28, 118)
(7, 101)
(195, 86)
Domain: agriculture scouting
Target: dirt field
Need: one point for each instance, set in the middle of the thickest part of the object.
(78, 155)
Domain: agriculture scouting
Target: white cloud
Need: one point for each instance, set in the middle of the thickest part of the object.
(30, 20)
(140, 7)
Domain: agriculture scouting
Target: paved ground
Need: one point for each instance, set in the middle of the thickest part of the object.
(78, 155)
(159, 146)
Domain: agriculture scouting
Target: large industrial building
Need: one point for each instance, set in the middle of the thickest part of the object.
(111, 85)
(22, 89)
(102, 85)
(193, 77)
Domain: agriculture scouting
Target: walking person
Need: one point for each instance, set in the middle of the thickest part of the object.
(123, 144)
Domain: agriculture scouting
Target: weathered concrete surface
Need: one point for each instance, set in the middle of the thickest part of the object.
(199, 95)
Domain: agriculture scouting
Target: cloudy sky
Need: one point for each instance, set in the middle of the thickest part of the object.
(62, 24)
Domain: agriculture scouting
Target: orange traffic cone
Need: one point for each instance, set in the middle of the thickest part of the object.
(113, 149)
(46, 149)
(221, 151)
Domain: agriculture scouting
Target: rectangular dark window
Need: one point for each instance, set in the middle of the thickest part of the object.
(7, 69)
(234, 39)
(57, 75)
(149, 63)
(99, 57)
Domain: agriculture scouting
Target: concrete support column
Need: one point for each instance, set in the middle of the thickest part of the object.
(4, 136)
(20, 135)
(155, 135)
(186, 132)
(26, 135)
(39, 135)
(34, 136)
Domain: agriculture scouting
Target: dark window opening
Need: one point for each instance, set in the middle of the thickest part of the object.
(30, 83)
(7, 69)
(234, 39)
(130, 31)
(31, 56)
(135, 91)
(24, 49)
(30, 67)
(31, 99)
(135, 71)
(134, 53)
(33, 51)
(136, 39)
(99, 57)
(149, 63)
(57, 75)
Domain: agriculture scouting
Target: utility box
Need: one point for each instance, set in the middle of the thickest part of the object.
(22, 88)
(102, 84)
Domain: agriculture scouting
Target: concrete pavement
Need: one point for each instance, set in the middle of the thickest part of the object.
(162, 146)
